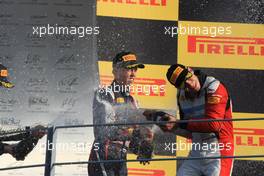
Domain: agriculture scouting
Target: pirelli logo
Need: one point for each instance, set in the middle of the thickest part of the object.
(226, 46)
(139, 9)
(249, 137)
(130, 57)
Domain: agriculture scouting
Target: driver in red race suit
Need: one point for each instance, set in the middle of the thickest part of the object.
(201, 97)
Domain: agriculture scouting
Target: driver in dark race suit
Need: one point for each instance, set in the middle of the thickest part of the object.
(114, 104)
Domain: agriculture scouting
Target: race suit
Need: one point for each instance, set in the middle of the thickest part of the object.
(111, 106)
(214, 138)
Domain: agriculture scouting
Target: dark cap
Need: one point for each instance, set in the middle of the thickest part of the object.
(177, 74)
(126, 60)
(3, 77)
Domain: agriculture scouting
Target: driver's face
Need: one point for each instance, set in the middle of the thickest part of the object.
(193, 83)
(125, 76)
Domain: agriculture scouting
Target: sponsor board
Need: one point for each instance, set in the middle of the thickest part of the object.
(141, 9)
(248, 137)
(239, 47)
(150, 87)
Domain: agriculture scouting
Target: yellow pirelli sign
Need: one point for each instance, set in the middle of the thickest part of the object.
(248, 137)
(141, 9)
(221, 45)
(150, 87)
